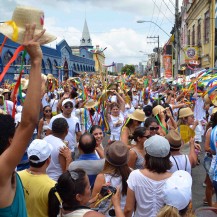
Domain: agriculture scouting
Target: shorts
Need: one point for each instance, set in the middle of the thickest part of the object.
(207, 163)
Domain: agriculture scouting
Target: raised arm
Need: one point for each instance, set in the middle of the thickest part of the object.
(13, 154)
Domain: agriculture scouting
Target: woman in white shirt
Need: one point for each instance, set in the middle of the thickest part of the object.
(145, 187)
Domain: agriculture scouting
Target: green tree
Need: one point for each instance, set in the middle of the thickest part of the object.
(128, 69)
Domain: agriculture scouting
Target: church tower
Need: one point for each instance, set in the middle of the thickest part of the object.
(86, 40)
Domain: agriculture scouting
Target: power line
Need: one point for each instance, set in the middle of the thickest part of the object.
(172, 3)
(162, 12)
(168, 7)
(156, 20)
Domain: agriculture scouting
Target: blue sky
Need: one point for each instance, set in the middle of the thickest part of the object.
(112, 24)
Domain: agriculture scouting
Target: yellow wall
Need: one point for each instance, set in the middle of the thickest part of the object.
(197, 11)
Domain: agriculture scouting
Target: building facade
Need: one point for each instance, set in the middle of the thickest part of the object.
(198, 34)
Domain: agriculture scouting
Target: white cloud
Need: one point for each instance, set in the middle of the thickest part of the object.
(123, 43)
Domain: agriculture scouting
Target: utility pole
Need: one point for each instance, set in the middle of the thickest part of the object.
(176, 39)
(158, 53)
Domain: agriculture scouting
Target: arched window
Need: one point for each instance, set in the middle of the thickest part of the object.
(78, 68)
(8, 55)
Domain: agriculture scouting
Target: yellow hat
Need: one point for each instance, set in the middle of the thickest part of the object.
(157, 109)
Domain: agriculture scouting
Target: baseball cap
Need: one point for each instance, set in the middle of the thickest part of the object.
(41, 149)
(65, 101)
(177, 189)
(157, 146)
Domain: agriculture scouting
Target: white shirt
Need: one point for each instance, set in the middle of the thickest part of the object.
(116, 131)
(74, 127)
(181, 162)
(53, 104)
(54, 169)
(7, 106)
(44, 100)
(148, 193)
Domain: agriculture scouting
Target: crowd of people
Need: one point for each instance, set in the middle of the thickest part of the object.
(92, 149)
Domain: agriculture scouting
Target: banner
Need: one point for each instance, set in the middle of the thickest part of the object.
(191, 53)
(167, 62)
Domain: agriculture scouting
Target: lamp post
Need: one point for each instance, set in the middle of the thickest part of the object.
(149, 21)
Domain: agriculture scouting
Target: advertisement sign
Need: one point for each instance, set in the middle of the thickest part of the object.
(167, 62)
(191, 53)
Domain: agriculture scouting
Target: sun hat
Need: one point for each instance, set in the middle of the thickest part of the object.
(174, 139)
(24, 83)
(185, 112)
(66, 101)
(137, 115)
(157, 109)
(90, 104)
(117, 153)
(177, 190)
(157, 146)
(6, 91)
(23, 15)
(41, 149)
(214, 110)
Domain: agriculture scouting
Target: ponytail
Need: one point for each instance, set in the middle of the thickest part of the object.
(168, 211)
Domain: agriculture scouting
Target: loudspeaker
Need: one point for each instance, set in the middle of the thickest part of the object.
(169, 49)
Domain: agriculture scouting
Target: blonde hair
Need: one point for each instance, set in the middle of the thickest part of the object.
(168, 211)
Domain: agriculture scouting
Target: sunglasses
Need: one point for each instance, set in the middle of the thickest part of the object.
(147, 137)
(154, 128)
(46, 111)
(74, 175)
(68, 106)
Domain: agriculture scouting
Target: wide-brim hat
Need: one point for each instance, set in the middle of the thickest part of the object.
(23, 15)
(117, 154)
(157, 109)
(137, 115)
(6, 91)
(185, 112)
(50, 76)
(90, 104)
(174, 139)
(24, 83)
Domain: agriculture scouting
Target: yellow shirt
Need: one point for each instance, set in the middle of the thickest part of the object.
(36, 189)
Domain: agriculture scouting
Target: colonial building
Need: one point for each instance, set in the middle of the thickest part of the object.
(61, 62)
(198, 34)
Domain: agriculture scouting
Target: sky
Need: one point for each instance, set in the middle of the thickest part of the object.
(112, 24)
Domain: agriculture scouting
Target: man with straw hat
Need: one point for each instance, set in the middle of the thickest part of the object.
(13, 144)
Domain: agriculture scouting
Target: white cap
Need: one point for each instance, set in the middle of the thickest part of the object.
(177, 189)
(157, 146)
(65, 101)
(41, 149)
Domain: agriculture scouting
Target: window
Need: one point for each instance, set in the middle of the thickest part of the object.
(189, 35)
(199, 32)
(193, 35)
(206, 27)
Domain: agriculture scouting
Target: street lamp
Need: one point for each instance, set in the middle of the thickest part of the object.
(149, 21)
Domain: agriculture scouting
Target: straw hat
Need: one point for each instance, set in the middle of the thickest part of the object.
(117, 154)
(23, 15)
(185, 112)
(50, 76)
(6, 91)
(24, 83)
(137, 115)
(157, 109)
(214, 110)
(174, 139)
(90, 104)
